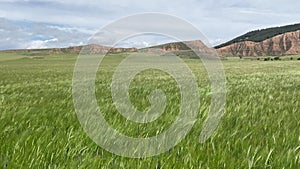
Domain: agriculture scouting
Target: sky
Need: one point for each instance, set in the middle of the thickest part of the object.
(27, 24)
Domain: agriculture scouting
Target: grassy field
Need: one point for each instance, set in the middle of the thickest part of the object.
(39, 126)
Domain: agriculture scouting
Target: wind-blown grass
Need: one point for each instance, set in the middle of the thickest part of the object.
(39, 126)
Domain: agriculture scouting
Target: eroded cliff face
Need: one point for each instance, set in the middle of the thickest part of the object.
(285, 44)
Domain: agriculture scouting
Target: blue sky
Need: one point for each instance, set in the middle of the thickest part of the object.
(62, 23)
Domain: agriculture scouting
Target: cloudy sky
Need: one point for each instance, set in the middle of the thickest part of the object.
(62, 23)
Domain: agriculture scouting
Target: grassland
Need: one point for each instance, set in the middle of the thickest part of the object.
(39, 126)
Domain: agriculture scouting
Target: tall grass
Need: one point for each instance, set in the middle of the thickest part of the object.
(39, 127)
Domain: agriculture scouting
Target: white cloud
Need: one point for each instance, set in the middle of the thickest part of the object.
(217, 19)
(25, 34)
(216, 42)
(73, 29)
(40, 44)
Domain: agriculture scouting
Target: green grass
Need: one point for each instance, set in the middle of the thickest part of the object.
(39, 126)
(10, 56)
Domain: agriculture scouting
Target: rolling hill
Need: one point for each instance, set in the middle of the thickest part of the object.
(277, 41)
(262, 34)
(280, 45)
(91, 49)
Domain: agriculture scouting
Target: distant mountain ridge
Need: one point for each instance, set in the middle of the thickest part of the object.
(182, 49)
(91, 49)
(280, 45)
(262, 34)
(277, 41)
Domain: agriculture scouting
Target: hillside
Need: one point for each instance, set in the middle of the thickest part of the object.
(284, 44)
(261, 35)
(275, 41)
(92, 49)
(174, 46)
(181, 49)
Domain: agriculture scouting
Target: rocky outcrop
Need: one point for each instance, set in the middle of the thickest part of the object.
(284, 44)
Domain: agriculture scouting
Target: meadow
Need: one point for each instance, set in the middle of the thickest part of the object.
(39, 127)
